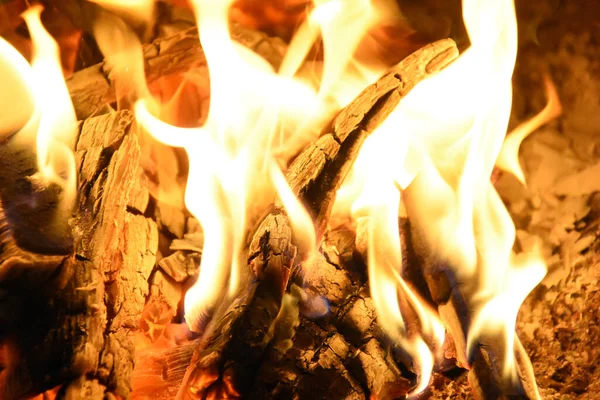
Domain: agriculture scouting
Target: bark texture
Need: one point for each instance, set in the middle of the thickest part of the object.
(79, 337)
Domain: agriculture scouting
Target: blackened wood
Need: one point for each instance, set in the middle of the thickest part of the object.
(229, 355)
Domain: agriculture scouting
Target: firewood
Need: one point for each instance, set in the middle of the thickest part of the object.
(228, 357)
(341, 355)
(79, 337)
(94, 87)
(158, 372)
(456, 311)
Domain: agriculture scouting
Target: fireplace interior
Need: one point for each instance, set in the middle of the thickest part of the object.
(299, 199)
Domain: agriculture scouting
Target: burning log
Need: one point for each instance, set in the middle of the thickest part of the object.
(342, 355)
(94, 87)
(456, 309)
(82, 341)
(228, 357)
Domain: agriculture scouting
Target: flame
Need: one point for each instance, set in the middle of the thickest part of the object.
(508, 159)
(122, 51)
(446, 136)
(379, 203)
(135, 12)
(17, 102)
(258, 118)
(44, 114)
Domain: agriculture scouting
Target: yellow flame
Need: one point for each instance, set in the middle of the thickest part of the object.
(36, 103)
(58, 125)
(379, 203)
(500, 313)
(258, 118)
(136, 12)
(206, 200)
(17, 101)
(508, 159)
(123, 55)
(453, 125)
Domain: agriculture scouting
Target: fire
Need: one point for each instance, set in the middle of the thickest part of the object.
(433, 155)
(44, 115)
(508, 159)
(256, 121)
(445, 139)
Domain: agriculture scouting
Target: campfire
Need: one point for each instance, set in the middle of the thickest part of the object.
(299, 199)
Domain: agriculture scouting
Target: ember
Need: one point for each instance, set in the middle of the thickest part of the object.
(296, 199)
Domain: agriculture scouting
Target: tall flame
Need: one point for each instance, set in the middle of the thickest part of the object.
(378, 205)
(257, 119)
(453, 125)
(45, 114)
(58, 125)
(438, 147)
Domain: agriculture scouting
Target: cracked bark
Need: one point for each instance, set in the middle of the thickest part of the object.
(80, 336)
(234, 343)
